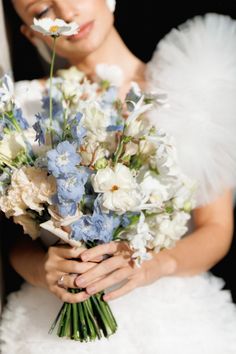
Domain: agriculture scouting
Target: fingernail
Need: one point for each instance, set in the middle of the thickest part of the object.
(91, 290)
(80, 281)
(106, 297)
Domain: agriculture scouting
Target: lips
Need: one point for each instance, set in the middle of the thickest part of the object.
(84, 30)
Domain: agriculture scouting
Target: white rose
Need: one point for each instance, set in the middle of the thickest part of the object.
(119, 188)
(111, 73)
(11, 145)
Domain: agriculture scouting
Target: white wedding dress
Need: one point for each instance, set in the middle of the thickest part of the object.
(196, 67)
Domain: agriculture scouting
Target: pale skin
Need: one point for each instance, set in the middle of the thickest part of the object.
(192, 255)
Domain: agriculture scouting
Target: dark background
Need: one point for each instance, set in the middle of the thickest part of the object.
(141, 24)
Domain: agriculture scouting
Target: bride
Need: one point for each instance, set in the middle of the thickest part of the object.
(170, 304)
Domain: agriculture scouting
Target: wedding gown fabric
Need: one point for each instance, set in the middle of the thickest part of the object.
(196, 67)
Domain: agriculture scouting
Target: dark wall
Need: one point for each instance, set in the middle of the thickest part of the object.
(141, 24)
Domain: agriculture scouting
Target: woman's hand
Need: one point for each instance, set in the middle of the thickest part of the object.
(120, 267)
(62, 261)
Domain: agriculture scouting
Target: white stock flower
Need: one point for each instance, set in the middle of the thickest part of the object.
(167, 229)
(155, 189)
(110, 73)
(119, 188)
(55, 28)
(11, 145)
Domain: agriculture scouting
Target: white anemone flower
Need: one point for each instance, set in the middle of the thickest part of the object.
(120, 192)
(55, 28)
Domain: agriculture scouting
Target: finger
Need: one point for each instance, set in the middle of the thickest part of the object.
(99, 251)
(101, 269)
(67, 281)
(112, 279)
(75, 266)
(125, 289)
(66, 252)
(65, 296)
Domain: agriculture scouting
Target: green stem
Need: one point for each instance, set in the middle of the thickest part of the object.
(50, 93)
(82, 322)
(92, 331)
(61, 325)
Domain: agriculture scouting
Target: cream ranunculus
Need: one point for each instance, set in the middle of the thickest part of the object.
(119, 188)
(29, 225)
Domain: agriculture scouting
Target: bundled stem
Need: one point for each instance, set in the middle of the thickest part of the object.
(85, 321)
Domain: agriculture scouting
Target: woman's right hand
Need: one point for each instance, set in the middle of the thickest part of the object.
(63, 261)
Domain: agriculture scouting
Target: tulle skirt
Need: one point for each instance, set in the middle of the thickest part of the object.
(190, 315)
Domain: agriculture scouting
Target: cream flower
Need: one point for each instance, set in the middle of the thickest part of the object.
(30, 188)
(30, 227)
(119, 188)
(110, 73)
(55, 28)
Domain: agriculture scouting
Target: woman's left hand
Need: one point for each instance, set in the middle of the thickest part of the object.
(117, 268)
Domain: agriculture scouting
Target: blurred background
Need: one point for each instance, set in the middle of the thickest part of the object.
(141, 24)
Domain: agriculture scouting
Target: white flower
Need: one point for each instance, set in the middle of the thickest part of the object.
(155, 189)
(55, 28)
(119, 188)
(110, 73)
(96, 121)
(71, 74)
(167, 229)
(11, 145)
(131, 149)
(6, 93)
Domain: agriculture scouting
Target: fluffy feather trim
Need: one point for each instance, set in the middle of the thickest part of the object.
(196, 66)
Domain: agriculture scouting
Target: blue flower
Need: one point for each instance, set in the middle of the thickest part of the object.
(2, 127)
(115, 128)
(57, 109)
(62, 161)
(109, 96)
(18, 115)
(72, 188)
(96, 227)
(78, 132)
(40, 128)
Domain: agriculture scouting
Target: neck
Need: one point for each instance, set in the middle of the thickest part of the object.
(114, 52)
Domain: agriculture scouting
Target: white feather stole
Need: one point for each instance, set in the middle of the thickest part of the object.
(196, 66)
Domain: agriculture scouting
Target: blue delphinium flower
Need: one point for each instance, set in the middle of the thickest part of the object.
(78, 132)
(97, 227)
(115, 128)
(57, 109)
(2, 127)
(109, 96)
(18, 115)
(40, 128)
(62, 161)
(65, 207)
(72, 188)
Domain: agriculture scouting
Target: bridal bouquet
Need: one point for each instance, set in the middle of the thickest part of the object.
(91, 170)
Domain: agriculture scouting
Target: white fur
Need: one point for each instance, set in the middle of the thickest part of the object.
(196, 66)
